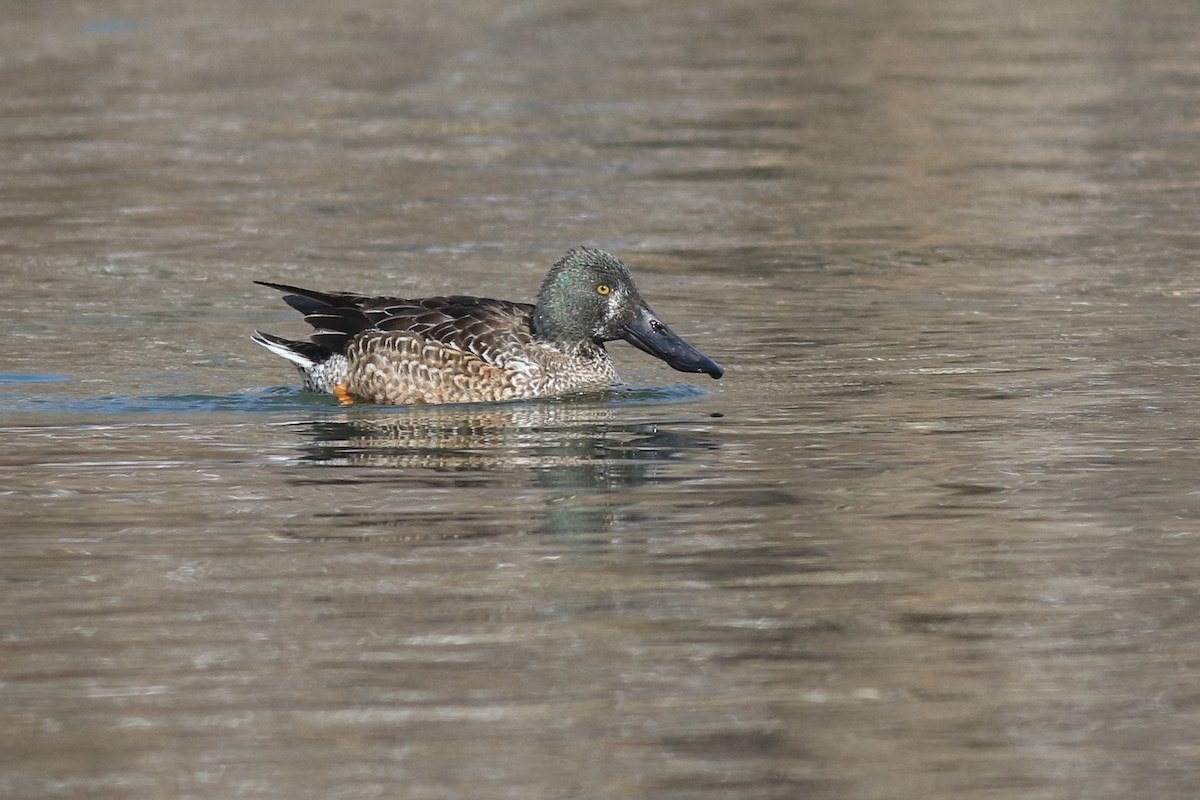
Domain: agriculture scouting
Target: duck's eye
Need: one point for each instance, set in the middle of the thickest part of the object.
(603, 288)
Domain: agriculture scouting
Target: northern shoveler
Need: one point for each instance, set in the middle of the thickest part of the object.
(472, 349)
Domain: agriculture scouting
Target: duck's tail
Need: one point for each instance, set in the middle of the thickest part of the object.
(321, 368)
(305, 355)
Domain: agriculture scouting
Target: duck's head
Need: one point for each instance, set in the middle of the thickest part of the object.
(589, 295)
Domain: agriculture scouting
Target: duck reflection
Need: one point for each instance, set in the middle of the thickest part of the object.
(576, 460)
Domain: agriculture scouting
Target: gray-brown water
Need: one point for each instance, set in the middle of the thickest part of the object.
(935, 535)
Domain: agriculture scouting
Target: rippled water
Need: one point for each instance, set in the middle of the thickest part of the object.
(934, 534)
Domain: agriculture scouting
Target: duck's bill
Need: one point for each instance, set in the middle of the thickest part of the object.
(649, 335)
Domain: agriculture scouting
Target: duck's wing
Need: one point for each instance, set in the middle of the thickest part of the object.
(492, 330)
(306, 301)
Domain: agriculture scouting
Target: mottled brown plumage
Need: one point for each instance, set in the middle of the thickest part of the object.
(462, 349)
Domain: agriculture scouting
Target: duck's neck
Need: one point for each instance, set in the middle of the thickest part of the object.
(558, 330)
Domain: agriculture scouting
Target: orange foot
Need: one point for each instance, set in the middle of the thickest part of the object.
(343, 394)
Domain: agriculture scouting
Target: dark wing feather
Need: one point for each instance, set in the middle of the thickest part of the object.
(488, 329)
(307, 301)
(484, 327)
(335, 328)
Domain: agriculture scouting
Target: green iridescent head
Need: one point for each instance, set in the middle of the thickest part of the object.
(589, 296)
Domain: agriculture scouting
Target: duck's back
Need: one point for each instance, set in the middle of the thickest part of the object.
(489, 329)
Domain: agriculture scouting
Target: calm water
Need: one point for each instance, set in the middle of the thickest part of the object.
(935, 535)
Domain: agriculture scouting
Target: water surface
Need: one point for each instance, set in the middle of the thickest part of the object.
(934, 534)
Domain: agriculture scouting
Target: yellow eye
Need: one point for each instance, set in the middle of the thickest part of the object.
(603, 288)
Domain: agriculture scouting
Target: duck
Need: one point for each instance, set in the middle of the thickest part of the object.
(463, 349)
